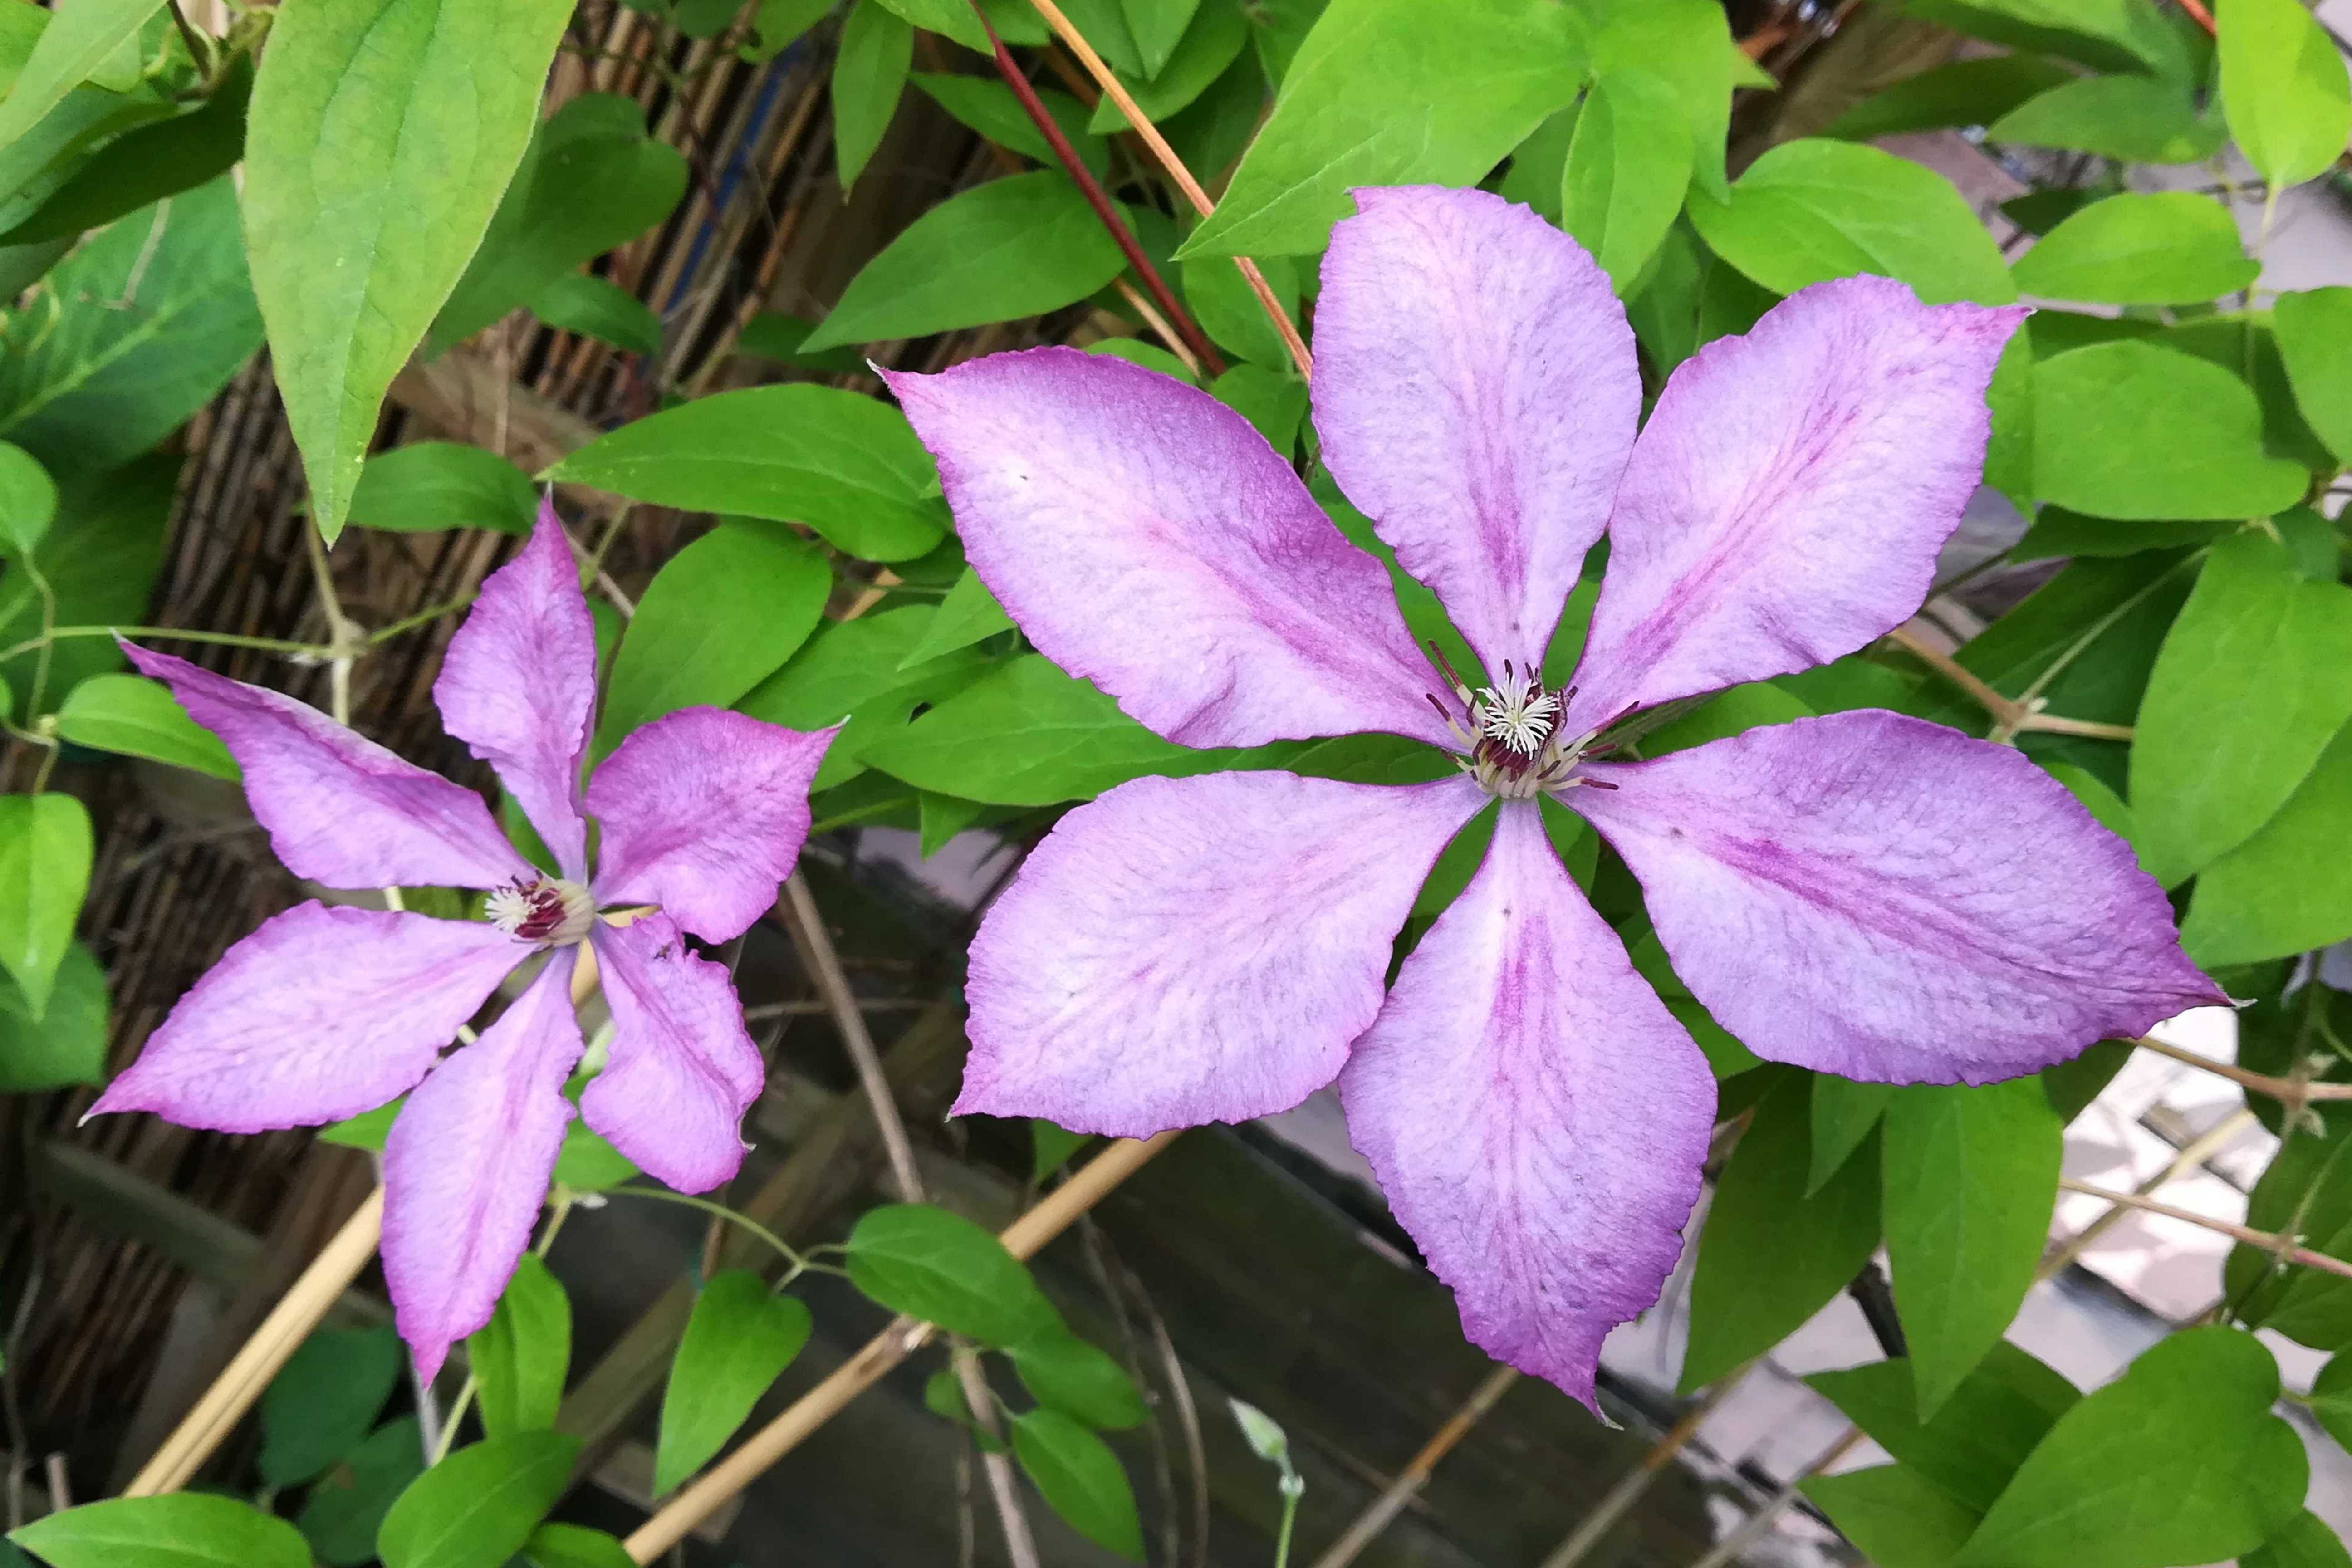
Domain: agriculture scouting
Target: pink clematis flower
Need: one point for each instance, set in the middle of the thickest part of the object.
(1861, 893)
(326, 1012)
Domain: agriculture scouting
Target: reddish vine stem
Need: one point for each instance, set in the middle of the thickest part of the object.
(1099, 199)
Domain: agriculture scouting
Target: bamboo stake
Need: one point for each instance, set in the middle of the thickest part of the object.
(1059, 1210)
(248, 1372)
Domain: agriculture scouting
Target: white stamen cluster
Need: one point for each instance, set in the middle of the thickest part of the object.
(1511, 735)
(549, 911)
(1520, 714)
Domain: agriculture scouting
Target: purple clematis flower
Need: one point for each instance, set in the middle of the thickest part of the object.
(326, 1012)
(1861, 893)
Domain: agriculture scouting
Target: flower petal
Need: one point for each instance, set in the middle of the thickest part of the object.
(682, 1071)
(466, 1166)
(320, 1014)
(1890, 900)
(1192, 949)
(519, 685)
(340, 810)
(1536, 1116)
(703, 812)
(1786, 500)
(1476, 391)
(1145, 537)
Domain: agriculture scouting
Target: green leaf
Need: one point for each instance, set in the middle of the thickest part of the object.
(1965, 92)
(1064, 1372)
(2314, 339)
(2287, 889)
(137, 716)
(1816, 209)
(772, 334)
(574, 1546)
(2132, 430)
(2132, 119)
(852, 669)
(28, 500)
(1150, 356)
(739, 1340)
(1013, 20)
(2057, 533)
(1843, 1114)
(1627, 170)
(927, 1263)
(146, 165)
(715, 621)
(1229, 311)
(2115, 1485)
(475, 1508)
(1770, 1256)
(2169, 249)
(593, 308)
(847, 465)
(1157, 26)
(521, 1356)
(45, 858)
(1894, 1515)
(2101, 802)
(868, 74)
(2255, 680)
(324, 1401)
(428, 486)
(988, 106)
(968, 614)
(76, 43)
(1080, 1479)
(591, 180)
(142, 327)
(1975, 1442)
(1970, 1177)
(1213, 40)
(1728, 712)
(1391, 92)
(67, 1044)
(1016, 247)
(427, 106)
(2331, 1398)
(2113, 35)
(1687, 44)
(2307, 1541)
(587, 1162)
(178, 1529)
(1028, 735)
(2284, 90)
(345, 1506)
(1051, 1147)
(1274, 401)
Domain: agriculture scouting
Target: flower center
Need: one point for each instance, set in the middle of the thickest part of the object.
(1511, 732)
(546, 910)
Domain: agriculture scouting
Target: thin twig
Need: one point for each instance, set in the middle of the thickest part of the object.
(2283, 1247)
(2191, 1155)
(1195, 344)
(1733, 1547)
(1159, 325)
(1630, 1486)
(1409, 1481)
(1023, 1238)
(2011, 716)
(2289, 1091)
(1116, 90)
(806, 924)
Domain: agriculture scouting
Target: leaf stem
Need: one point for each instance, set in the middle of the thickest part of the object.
(2293, 1091)
(170, 634)
(2284, 1248)
(1195, 342)
(1114, 89)
(732, 1216)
